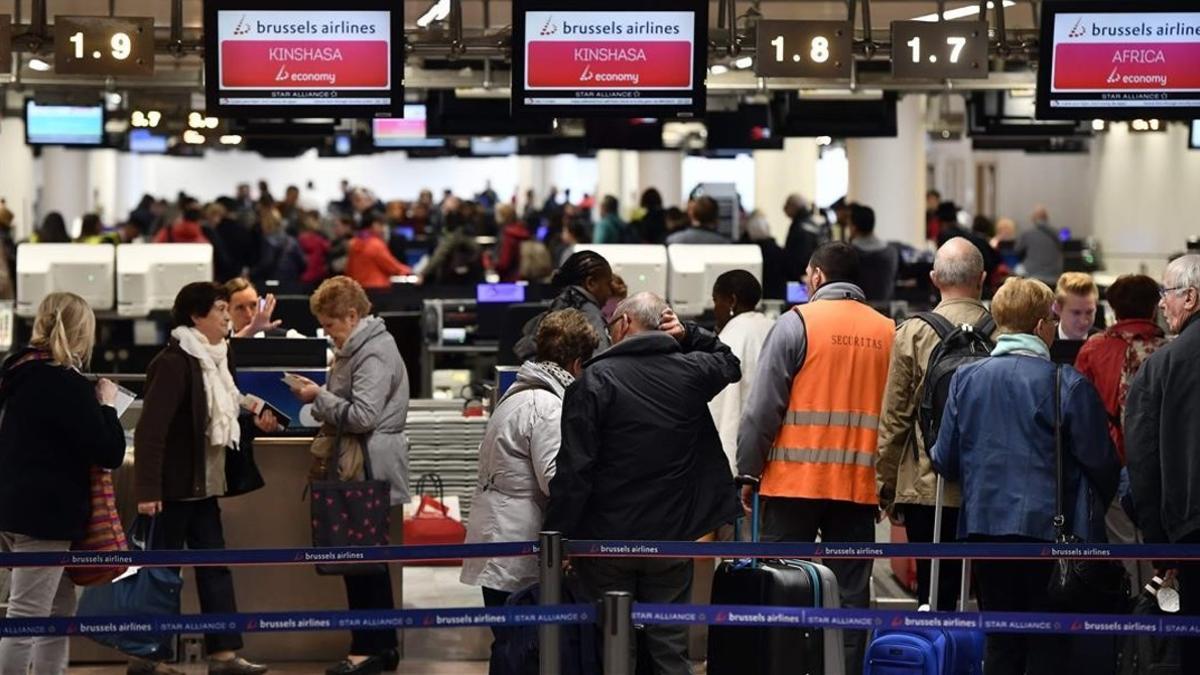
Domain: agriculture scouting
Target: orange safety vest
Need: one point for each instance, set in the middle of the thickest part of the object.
(826, 447)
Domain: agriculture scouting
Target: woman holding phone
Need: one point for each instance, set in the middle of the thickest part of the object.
(368, 385)
(191, 418)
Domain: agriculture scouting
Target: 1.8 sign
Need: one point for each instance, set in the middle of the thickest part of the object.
(813, 49)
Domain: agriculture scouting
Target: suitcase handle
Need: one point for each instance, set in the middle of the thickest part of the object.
(755, 484)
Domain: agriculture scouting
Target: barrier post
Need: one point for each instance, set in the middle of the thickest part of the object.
(550, 563)
(618, 632)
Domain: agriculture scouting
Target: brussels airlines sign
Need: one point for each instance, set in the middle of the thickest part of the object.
(1126, 59)
(592, 57)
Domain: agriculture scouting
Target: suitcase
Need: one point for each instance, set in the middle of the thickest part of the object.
(929, 651)
(739, 650)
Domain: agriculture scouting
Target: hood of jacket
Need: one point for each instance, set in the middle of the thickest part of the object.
(368, 330)
(1021, 343)
(536, 375)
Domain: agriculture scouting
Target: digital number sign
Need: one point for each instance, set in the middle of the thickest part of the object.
(1119, 60)
(304, 58)
(103, 45)
(816, 49)
(609, 57)
(5, 44)
(941, 50)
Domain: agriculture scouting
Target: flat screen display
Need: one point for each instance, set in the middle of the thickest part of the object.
(1119, 60)
(64, 125)
(797, 293)
(609, 57)
(499, 293)
(144, 142)
(1194, 137)
(491, 147)
(279, 58)
(405, 132)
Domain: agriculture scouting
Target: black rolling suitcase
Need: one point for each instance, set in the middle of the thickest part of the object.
(738, 650)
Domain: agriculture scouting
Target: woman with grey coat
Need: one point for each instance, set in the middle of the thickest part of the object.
(369, 385)
(516, 458)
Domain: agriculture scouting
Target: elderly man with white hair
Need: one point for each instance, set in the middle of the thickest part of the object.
(641, 459)
(904, 474)
(1162, 438)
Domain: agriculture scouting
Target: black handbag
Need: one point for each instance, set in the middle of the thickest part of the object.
(1088, 585)
(350, 513)
(241, 470)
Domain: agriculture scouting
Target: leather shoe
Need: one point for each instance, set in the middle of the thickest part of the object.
(235, 666)
(145, 667)
(371, 666)
(390, 659)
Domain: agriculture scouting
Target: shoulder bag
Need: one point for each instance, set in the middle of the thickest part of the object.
(349, 513)
(104, 531)
(1087, 585)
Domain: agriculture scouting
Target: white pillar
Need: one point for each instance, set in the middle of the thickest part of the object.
(65, 183)
(611, 173)
(130, 183)
(888, 174)
(102, 184)
(662, 171)
(779, 173)
(18, 184)
(533, 174)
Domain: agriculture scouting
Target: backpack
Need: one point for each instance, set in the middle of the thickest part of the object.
(517, 647)
(957, 346)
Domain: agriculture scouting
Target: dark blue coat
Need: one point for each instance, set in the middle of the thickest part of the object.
(997, 440)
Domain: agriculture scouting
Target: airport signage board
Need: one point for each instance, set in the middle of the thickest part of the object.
(609, 58)
(104, 45)
(940, 50)
(809, 49)
(1119, 61)
(293, 59)
(5, 44)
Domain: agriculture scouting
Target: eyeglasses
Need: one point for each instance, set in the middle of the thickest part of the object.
(616, 320)
(1162, 292)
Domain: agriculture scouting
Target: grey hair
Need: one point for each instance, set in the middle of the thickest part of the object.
(958, 263)
(643, 309)
(1184, 272)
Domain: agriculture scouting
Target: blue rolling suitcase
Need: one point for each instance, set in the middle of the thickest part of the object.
(934, 651)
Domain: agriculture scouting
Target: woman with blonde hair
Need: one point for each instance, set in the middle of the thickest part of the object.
(368, 389)
(55, 426)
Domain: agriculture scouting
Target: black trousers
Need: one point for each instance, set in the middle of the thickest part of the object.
(836, 522)
(651, 580)
(1019, 586)
(918, 521)
(196, 525)
(495, 598)
(1189, 577)
(370, 591)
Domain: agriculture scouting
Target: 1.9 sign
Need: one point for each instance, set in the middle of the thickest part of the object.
(102, 45)
(811, 49)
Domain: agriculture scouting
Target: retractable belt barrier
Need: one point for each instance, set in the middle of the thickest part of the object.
(591, 549)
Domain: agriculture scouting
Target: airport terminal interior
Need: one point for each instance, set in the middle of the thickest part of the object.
(490, 175)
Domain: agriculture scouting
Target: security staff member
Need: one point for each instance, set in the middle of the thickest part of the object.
(810, 425)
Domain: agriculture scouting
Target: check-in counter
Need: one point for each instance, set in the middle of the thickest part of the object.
(273, 517)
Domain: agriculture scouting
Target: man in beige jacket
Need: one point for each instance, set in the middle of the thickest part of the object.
(905, 477)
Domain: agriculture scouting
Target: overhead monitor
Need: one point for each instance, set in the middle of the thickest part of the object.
(146, 142)
(643, 267)
(85, 270)
(1194, 137)
(406, 132)
(290, 58)
(748, 127)
(150, 275)
(64, 124)
(584, 58)
(488, 146)
(856, 117)
(1001, 113)
(638, 133)
(1119, 60)
(453, 115)
(695, 268)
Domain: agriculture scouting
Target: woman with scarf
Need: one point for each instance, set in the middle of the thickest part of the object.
(516, 458)
(997, 439)
(45, 497)
(190, 420)
(368, 388)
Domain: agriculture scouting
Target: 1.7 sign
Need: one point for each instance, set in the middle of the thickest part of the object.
(940, 50)
(813, 49)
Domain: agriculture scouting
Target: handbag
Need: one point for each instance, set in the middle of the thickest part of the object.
(241, 470)
(1087, 585)
(431, 523)
(348, 513)
(149, 591)
(104, 532)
